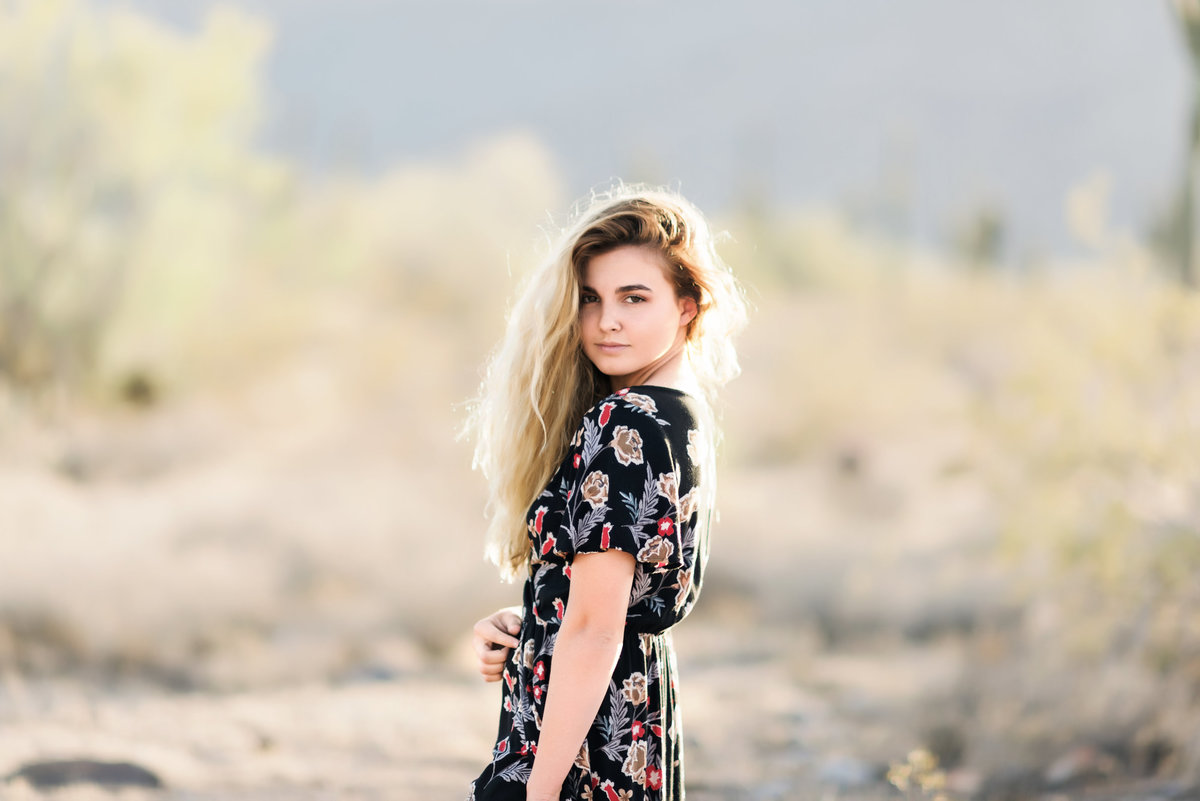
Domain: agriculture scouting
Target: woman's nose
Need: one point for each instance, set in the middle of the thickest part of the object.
(608, 318)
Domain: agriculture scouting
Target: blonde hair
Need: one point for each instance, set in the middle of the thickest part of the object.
(539, 384)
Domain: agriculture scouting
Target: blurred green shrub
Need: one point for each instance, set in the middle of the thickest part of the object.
(145, 245)
(125, 176)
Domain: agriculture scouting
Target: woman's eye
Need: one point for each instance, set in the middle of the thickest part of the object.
(635, 299)
(588, 298)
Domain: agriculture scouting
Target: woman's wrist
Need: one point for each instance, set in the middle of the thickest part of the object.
(533, 793)
(538, 788)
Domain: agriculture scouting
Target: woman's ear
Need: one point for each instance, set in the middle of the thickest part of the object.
(687, 310)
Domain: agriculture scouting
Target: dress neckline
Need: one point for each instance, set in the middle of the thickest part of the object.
(654, 387)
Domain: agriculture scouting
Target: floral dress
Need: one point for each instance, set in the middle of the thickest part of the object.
(628, 482)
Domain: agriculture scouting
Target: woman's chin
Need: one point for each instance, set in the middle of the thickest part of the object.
(610, 367)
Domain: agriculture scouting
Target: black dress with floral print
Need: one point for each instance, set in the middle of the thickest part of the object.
(630, 482)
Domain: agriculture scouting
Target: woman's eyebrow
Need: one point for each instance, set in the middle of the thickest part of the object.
(620, 289)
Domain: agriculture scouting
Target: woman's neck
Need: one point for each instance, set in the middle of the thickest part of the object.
(673, 370)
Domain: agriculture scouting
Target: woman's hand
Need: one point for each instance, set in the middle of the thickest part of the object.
(493, 637)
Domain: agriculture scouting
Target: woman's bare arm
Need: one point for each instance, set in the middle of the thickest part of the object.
(585, 653)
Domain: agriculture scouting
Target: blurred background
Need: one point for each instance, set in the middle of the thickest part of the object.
(253, 256)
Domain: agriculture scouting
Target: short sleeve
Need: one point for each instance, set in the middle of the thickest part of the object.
(623, 491)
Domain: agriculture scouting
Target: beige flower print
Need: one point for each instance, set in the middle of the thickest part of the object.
(685, 583)
(694, 445)
(627, 444)
(595, 488)
(527, 654)
(584, 758)
(688, 503)
(643, 402)
(656, 550)
(634, 688)
(635, 763)
(668, 487)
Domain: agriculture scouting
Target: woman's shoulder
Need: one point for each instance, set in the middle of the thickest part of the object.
(657, 414)
(643, 404)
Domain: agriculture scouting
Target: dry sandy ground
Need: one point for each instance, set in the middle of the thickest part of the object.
(774, 719)
(768, 724)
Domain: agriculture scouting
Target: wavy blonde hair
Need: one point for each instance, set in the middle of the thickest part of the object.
(539, 384)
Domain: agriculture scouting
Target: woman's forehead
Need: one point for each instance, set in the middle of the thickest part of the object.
(626, 266)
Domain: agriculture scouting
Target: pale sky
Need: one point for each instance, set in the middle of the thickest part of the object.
(944, 104)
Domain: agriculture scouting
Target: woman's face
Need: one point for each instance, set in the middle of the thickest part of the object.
(629, 316)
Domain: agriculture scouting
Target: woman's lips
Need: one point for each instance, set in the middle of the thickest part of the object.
(611, 348)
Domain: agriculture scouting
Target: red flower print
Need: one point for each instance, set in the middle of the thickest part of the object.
(502, 746)
(540, 670)
(654, 727)
(508, 679)
(539, 514)
(559, 608)
(567, 571)
(638, 730)
(665, 526)
(537, 692)
(608, 790)
(605, 413)
(575, 462)
(622, 392)
(548, 545)
(653, 778)
(604, 536)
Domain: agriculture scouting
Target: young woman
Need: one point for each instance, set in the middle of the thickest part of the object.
(596, 433)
